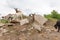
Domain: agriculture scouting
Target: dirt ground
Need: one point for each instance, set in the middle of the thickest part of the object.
(30, 35)
(20, 33)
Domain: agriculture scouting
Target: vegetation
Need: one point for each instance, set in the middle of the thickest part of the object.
(3, 21)
(54, 15)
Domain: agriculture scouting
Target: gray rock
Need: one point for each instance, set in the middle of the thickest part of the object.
(24, 21)
(41, 20)
(37, 27)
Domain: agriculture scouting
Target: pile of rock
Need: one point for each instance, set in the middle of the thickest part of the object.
(19, 28)
(32, 23)
(37, 21)
(49, 25)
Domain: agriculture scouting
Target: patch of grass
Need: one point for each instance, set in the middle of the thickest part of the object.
(3, 21)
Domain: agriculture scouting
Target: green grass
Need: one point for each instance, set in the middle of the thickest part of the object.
(3, 21)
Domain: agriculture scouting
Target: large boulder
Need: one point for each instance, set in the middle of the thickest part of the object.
(41, 20)
(38, 22)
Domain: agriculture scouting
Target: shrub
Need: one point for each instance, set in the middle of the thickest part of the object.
(54, 15)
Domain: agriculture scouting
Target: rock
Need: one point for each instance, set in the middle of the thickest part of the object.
(41, 20)
(30, 28)
(23, 29)
(48, 30)
(15, 22)
(1, 24)
(9, 24)
(24, 21)
(2, 30)
(37, 27)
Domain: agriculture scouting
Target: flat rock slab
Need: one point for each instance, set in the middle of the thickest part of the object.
(41, 20)
(24, 21)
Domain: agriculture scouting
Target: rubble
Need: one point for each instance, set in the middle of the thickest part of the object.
(2, 30)
(33, 27)
(24, 21)
(14, 22)
(37, 27)
(1, 24)
(9, 24)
